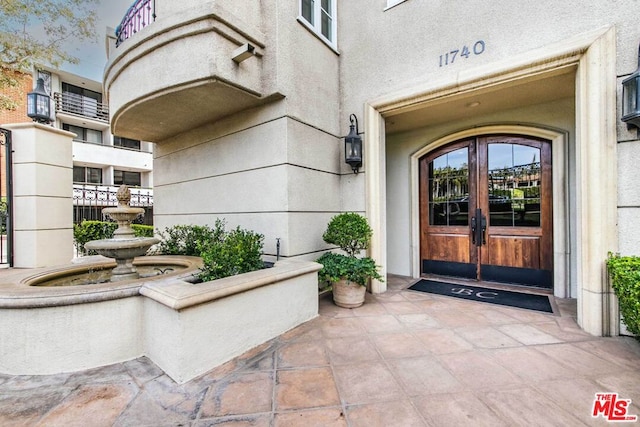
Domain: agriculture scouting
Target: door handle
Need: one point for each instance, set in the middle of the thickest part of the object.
(484, 229)
(473, 230)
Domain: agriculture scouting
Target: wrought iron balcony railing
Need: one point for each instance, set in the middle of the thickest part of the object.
(140, 14)
(105, 195)
(81, 105)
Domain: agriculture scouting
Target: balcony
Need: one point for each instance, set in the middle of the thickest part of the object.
(182, 70)
(78, 105)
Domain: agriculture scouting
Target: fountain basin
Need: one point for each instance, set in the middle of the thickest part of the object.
(187, 329)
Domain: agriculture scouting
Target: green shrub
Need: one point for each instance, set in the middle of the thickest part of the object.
(187, 239)
(141, 230)
(92, 230)
(349, 231)
(238, 251)
(625, 279)
(352, 233)
(98, 230)
(336, 267)
(224, 253)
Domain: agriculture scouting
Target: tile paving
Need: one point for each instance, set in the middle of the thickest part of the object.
(403, 359)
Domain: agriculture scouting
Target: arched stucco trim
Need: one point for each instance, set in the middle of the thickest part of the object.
(594, 54)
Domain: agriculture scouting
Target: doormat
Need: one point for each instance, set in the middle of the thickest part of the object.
(490, 295)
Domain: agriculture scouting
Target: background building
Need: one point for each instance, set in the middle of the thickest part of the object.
(101, 161)
(249, 105)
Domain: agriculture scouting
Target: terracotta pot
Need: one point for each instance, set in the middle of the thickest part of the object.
(348, 294)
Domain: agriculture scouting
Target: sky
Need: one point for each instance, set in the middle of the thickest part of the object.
(92, 54)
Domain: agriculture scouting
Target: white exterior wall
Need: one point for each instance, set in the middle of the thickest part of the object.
(279, 168)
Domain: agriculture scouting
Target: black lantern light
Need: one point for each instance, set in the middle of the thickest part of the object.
(631, 97)
(353, 145)
(38, 104)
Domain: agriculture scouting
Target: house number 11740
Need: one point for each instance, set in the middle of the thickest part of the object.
(450, 57)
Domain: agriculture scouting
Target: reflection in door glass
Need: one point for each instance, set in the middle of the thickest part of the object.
(449, 188)
(514, 185)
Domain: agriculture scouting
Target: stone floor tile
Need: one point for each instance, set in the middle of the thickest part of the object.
(443, 341)
(417, 321)
(381, 324)
(308, 331)
(371, 309)
(626, 384)
(399, 344)
(524, 315)
(305, 388)
(482, 315)
(524, 405)
(92, 404)
(106, 374)
(366, 383)
(326, 417)
(143, 370)
(25, 407)
(624, 351)
(529, 364)
(342, 327)
(300, 354)
(405, 307)
(239, 394)
(458, 409)
(563, 330)
(528, 334)
(153, 410)
(254, 420)
(486, 337)
(578, 361)
(424, 375)
(576, 396)
(452, 318)
(26, 382)
(343, 351)
(394, 297)
(385, 414)
(478, 370)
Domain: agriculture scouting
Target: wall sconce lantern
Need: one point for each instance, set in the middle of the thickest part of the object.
(353, 146)
(39, 104)
(631, 97)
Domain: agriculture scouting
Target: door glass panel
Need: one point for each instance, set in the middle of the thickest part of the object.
(449, 188)
(514, 185)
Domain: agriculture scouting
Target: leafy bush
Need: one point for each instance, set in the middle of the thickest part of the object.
(625, 278)
(141, 230)
(224, 253)
(236, 252)
(98, 230)
(352, 233)
(92, 230)
(336, 267)
(187, 239)
(349, 231)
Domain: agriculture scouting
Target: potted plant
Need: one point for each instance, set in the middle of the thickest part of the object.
(348, 274)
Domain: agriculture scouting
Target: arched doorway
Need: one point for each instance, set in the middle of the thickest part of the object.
(486, 210)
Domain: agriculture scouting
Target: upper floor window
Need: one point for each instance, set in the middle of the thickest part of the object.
(132, 144)
(87, 175)
(83, 134)
(133, 179)
(320, 17)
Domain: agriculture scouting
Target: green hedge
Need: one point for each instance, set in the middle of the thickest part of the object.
(224, 253)
(625, 279)
(97, 230)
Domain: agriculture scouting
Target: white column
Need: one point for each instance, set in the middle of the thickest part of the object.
(42, 195)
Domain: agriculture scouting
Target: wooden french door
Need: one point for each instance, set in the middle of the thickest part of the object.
(486, 210)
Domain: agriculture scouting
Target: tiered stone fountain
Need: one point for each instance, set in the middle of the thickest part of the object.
(124, 246)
